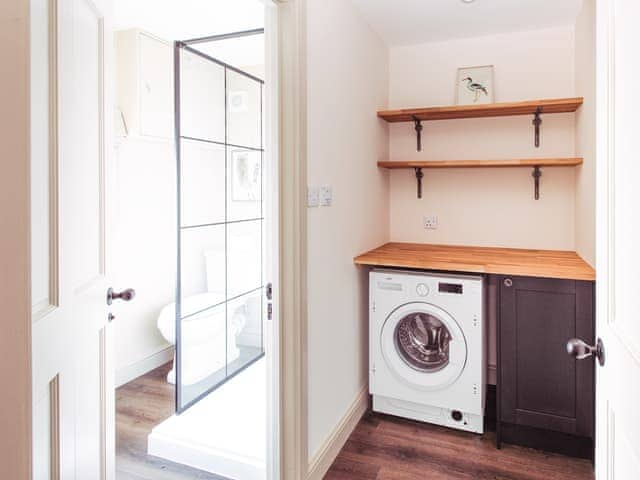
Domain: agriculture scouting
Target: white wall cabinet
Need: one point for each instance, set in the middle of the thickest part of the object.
(145, 84)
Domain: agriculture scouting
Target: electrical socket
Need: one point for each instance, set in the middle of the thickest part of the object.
(430, 222)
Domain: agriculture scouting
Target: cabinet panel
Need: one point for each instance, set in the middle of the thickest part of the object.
(540, 385)
(145, 85)
(156, 87)
(546, 377)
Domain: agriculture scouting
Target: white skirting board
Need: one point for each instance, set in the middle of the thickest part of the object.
(322, 460)
(130, 372)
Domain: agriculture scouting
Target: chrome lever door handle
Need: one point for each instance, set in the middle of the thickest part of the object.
(581, 350)
(125, 295)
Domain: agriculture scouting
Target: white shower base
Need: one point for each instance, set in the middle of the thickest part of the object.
(225, 433)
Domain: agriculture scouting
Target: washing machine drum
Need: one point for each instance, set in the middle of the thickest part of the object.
(424, 346)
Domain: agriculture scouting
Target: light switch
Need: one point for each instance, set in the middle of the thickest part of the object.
(312, 197)
(326, 196)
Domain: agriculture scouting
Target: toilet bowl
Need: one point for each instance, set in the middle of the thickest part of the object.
(202, 335)
(208, 341)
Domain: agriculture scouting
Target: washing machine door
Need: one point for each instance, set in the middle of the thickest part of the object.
(423, 345)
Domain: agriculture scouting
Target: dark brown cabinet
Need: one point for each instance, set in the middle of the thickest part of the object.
(545, 397)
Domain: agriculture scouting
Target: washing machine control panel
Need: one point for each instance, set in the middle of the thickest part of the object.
(422, 289)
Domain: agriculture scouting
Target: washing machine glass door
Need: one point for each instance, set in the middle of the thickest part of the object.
(424, 346)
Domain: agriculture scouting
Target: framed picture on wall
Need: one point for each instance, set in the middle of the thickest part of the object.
(246, 176)
(475, 85)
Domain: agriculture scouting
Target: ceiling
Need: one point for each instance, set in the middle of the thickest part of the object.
(406, 22)
(184, 19)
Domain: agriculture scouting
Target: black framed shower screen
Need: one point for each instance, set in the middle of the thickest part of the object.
(219, 156)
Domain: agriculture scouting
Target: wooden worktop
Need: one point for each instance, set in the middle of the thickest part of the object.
(501, 261)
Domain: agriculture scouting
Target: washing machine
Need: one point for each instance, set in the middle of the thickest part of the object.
(427, 347)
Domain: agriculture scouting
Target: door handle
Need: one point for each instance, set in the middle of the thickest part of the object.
(581, 350)
(125, 295)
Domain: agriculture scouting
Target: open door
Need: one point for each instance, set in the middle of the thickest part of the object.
(618, 220)
(73, 412)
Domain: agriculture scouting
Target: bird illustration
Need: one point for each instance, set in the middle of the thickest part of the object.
(475, 87)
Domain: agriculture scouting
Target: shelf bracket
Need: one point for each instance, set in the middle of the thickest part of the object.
(418, 126)
(537, 121)
(419, 176)
(536, 174)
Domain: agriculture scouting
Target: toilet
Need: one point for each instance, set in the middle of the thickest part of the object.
(205, 349)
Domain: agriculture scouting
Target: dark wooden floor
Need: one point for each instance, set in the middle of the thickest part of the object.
(381, 447)
(141, 405)
(388, 448)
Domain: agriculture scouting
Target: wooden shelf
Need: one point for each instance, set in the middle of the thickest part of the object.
(504, 261)
(534, 163)
(531, 107)
(520, 162)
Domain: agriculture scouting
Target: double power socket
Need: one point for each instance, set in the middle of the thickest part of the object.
(430, 222)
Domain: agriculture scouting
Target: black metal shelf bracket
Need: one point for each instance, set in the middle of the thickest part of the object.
(536, 174)
(419, 176)
(537, 121)
(418, 126)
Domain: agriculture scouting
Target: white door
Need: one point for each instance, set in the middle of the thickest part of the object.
(618, 200)
(72, 382)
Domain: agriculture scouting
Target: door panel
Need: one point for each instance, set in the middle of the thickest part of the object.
(82, 166)
(72, 384)
(618, 67)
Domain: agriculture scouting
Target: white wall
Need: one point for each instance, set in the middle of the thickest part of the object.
(492, 207)
(347, 83)
(585, 133)
(145, 245)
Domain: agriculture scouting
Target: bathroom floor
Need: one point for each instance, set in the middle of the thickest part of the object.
(225, 432)
(141, 405)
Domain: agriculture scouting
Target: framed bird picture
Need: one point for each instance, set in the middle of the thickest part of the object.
(475, 85)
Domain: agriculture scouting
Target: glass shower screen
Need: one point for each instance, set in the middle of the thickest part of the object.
(219, 150)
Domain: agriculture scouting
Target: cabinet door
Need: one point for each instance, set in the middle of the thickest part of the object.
(156, 87)
(541, 385)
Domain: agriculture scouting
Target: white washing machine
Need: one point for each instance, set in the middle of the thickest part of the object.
(427, 347)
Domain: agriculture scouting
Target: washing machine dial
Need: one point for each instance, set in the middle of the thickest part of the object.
(422, 289)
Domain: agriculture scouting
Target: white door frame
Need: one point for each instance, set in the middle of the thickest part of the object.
(15, 283)
(15, 342)
(292, 231)
(603, 206)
